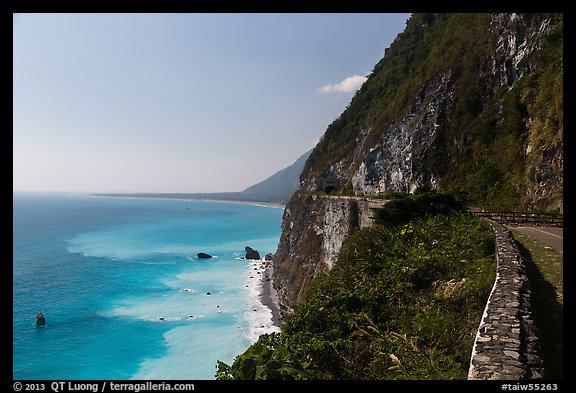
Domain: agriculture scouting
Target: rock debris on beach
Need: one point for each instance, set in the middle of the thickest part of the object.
(263, 286)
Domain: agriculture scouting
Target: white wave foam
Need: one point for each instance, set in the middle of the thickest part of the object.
(186, 356)
(166, 319)
(258, 315)
(199, 321)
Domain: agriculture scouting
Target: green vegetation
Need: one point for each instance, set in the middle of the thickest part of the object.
(496, 145)
(402, 301)
(548, 261)
(425, 201)
(545, 272)
(495, 170)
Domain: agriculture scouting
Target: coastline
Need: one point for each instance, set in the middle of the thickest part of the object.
(263, 314)
(254, 203)
(265, 291)
(261, 204)
(268, 296)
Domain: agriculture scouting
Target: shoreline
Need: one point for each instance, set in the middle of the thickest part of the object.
(261, 204)
(254, 203)
(263, 315)
(266, 293)
(268, 296)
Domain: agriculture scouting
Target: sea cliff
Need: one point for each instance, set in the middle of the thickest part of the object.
(471, 103)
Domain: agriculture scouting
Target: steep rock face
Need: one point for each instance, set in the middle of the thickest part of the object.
(455, 103)
(398, 160)
(416, 145)
(314, 228)
(543, 180)
(519, 35)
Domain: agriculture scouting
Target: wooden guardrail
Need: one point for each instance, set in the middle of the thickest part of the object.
(555, 219)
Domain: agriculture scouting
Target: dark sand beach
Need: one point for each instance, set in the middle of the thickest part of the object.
(268, 296)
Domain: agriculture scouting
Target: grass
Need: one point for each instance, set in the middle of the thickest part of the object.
(544, 268)
(401, 302)
(547, 260)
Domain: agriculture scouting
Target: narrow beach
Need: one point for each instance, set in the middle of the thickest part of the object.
(263, 315)
(268, 295)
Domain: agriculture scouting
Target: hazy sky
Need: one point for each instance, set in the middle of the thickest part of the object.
(180, 102)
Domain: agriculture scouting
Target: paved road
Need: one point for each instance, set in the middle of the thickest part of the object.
(552, 236)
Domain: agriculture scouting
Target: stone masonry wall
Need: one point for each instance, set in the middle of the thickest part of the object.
(506, 345)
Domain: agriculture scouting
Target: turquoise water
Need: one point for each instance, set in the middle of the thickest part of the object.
(122, 290)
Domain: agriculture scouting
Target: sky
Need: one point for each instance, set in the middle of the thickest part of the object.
(180, 102)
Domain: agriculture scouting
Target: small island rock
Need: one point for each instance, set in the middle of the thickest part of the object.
(251, 253)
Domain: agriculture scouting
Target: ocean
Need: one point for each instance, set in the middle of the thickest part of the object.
(125, 296)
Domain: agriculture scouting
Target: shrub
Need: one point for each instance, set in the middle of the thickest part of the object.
(402, 302)
(425, 201)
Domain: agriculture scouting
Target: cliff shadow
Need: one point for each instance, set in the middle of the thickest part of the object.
(548, 316)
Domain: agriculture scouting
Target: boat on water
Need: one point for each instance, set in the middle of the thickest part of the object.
(40, 320)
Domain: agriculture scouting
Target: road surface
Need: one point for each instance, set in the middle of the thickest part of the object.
(552, 236)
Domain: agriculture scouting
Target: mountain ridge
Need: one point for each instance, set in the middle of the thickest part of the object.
(467, 103)
(275, 189)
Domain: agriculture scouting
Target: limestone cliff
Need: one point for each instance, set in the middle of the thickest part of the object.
(467, 102)
(446, 92)
(313, 230)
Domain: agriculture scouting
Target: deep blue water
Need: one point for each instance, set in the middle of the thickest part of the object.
(105, 270)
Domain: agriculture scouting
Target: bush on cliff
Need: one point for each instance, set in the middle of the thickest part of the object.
(425, 201)
(402, 302)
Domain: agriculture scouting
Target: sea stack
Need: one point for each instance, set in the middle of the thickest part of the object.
(251, 253)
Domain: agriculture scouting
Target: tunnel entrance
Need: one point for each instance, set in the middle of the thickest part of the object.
(330, 185)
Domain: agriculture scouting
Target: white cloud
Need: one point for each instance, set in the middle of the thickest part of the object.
(348, 85)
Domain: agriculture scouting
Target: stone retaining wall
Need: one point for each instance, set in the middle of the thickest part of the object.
(506, 345)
